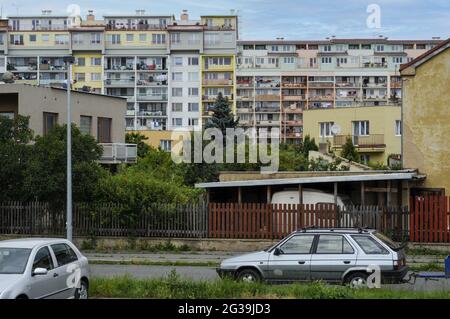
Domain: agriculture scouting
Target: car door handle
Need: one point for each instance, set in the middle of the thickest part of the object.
(346, 262)
(301, 262)
(55, 275)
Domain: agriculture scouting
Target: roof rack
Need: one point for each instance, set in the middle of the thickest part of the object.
(359, 229)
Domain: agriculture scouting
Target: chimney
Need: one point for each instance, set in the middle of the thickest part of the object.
(90, 16)
(46, 12)
(140, 12)
(184, 15)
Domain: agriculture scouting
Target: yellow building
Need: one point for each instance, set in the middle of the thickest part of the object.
(88, 71)
(375, 130)
(426, 116)
(158, 139)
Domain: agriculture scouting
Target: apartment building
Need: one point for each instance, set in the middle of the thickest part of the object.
(278, 80)
(376, 131)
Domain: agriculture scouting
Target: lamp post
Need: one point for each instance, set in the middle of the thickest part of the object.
(69, 60)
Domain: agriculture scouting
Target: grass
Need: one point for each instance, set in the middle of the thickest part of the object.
(428, 267)
(154, 263)
(133, 245)
(172, 287)
(423, 251)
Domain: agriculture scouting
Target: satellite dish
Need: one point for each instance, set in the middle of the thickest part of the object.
(335, 129)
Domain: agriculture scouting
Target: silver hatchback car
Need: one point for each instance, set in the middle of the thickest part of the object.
(42, 268)
(331, 255)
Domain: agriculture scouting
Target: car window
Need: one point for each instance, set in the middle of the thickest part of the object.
(333, 244)
(369, 245)
(13, 260)
(64, 254)
(43, 259)
(300, 244)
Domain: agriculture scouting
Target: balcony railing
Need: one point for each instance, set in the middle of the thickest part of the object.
(152, 97)
(366, 141)
(114, 153)
(217, 82)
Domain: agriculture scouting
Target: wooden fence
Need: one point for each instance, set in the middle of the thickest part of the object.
(158, 220)
(430, 219)
(267, 221)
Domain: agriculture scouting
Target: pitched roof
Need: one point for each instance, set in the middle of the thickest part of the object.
(427, 55)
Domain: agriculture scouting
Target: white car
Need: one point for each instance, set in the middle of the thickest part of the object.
(37, 268)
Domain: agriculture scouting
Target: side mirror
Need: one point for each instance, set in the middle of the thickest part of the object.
(277, 251)
(40, 272)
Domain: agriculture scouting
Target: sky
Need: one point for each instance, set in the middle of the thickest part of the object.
(289, 19)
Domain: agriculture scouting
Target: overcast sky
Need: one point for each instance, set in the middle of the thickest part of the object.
(291, 19)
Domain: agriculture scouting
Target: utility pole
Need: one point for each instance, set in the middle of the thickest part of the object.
(69, 61)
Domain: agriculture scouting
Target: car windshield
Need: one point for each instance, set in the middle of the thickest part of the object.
(386, 240)
(13, 260)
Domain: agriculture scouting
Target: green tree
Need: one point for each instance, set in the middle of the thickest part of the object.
(308, 144)
(349, 151)
(139, 139)
(45, 178)
(15, 150)
(222, 117)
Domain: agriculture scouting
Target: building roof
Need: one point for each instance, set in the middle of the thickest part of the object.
(427, 55)
(342, 41)
(400, 175)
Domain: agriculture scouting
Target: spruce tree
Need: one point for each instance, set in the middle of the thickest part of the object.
(222, 117)
(349, 151)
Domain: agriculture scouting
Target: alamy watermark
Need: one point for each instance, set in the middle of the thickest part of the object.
(235, 145)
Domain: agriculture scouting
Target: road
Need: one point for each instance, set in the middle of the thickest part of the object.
(209, 273)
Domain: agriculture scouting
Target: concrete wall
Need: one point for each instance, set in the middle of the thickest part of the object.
(34, 100)
(426, 118)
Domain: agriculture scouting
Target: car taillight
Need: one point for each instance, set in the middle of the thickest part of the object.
(399, 263)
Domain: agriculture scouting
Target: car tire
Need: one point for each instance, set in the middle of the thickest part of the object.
(83, 291)
(248, 275)
(356, 280)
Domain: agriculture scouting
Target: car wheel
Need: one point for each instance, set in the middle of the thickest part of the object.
(248, 275)
(83, 291)
(357, 280)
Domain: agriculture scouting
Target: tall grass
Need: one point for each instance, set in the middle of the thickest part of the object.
(174, 287)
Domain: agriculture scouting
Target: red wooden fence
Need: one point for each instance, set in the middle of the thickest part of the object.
(430, 219)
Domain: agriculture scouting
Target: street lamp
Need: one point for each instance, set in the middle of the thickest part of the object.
(69, 60)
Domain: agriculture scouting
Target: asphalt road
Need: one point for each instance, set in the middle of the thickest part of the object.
(209, 273)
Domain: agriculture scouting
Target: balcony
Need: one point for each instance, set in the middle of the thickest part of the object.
(376, 65)
(136, 27)
(292, 122)
(217, 82)
(373, 141)
(150, 67)
(116, 153)
(267, 97)
(293, 85)
(218, 67)
(293, 110)
(52, 82)
(321, 98)
(120, 82)
(152, 97)
(293, 97)
(212, 98)
(321, 84)
(292, 134)
(348, 84)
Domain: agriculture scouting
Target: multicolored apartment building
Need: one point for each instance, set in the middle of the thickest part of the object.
(171, 70)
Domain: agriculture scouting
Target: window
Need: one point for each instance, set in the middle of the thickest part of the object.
(369, 245)
(32, 38)
(61, 39)
(353, 46)
(177, 91)
(96, 61)
(177, 121)
(177, 107)
(178, 61)
(80, 61)
(13, 260)
(289, 60)
(130, 37)
(380, 48)
(9, 115)
(327, 48)
(212, 39)
(64, 254)
(326, 59)
(298, 245)
(193, 107)
(364, 158)
(165, 145)
(114, 38)
(192, 121)
(96, 38)
(397, 59)
(96, 76)
(193, 91)
(104, 129)
(333, 244)
(193, 61)
(158, 38)
(86, 124)
(43, 259)
(177, 76)
(228, 38)
(325, 129)
(398, 128)
(80, 77)
(50, 121)
(193, 76)
(45, 37)
(16, 39)
(361, 128)
(175, 38)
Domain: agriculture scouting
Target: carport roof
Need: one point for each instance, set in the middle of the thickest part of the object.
(312, 180)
